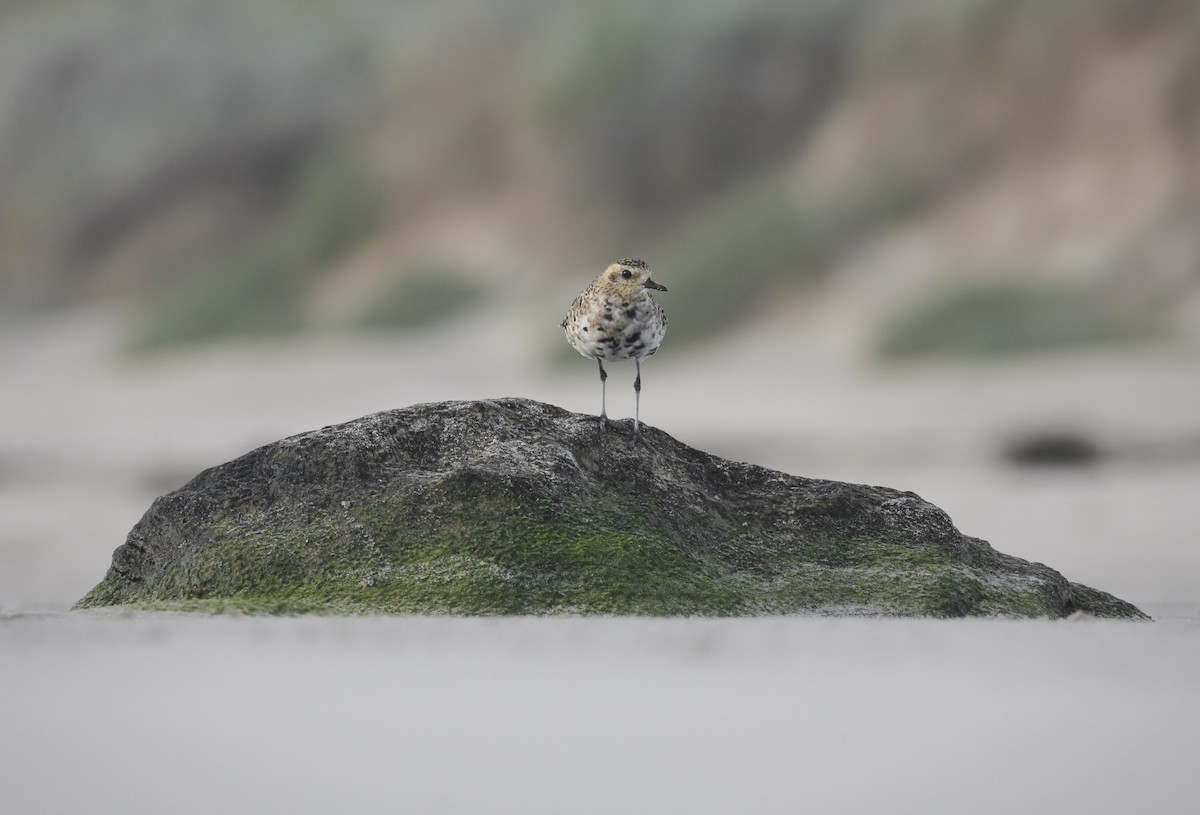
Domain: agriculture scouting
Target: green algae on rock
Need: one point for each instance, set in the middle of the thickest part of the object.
(511, 506)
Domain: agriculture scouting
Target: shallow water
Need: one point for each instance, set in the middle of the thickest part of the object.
(119, 713)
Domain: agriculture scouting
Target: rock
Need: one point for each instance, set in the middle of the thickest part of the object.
(1053, 448)
(516, 507)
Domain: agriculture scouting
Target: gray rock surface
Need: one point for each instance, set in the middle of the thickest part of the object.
(511, 506)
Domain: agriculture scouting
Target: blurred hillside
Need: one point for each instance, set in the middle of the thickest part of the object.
(980, 176)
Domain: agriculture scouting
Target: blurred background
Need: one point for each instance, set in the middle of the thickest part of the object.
(951, 246)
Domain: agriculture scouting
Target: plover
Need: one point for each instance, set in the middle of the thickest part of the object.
(615, 318)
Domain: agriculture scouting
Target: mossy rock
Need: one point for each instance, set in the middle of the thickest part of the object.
(516, 507)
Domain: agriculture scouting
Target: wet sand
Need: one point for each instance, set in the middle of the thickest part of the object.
(149, 714)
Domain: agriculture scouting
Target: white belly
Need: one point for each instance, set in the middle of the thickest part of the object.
(616, 341)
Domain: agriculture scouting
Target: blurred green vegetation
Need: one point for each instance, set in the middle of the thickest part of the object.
(590, 54)
(1011, 317)
(337, 206)
(727, 261)
(666, 109)
(606, 46)
(720, 266)
(420, 296)
(138, 151)
(259, 289)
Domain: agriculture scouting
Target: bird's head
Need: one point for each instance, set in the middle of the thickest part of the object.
(629, 276)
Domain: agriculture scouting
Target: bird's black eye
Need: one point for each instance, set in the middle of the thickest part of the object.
(625, 273)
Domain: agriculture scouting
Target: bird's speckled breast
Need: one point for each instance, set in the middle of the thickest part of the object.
(617, 329)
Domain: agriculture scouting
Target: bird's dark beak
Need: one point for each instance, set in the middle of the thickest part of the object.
(650, 284)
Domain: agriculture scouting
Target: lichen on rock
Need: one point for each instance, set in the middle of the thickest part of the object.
(510, 506)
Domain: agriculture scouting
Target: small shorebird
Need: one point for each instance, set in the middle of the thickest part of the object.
(615, 318)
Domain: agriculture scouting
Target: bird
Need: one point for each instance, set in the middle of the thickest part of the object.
(615, 318)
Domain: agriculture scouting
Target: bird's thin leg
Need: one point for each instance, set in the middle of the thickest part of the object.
(603, 411)
(637, 403)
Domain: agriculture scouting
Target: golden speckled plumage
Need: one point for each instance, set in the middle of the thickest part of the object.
(615, 318)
